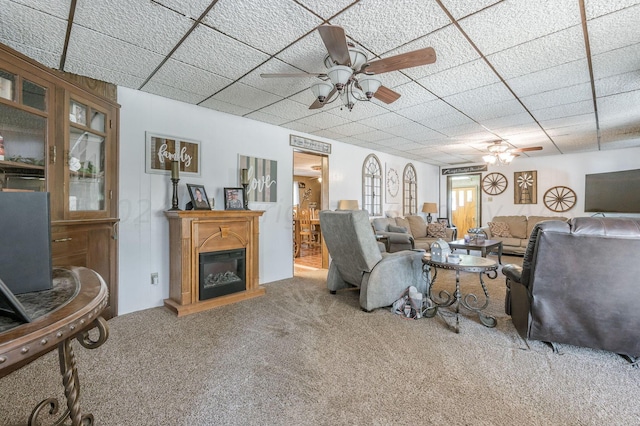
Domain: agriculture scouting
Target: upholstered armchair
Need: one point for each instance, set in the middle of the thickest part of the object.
(356, 260)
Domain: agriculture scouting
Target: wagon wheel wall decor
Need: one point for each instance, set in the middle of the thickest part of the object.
(494, 183)
(560, 199)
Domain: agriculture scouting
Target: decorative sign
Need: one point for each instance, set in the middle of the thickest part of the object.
(466, 169)
(393, 183)
(525, 188)
(262, 175)
(309, 144)
(163, 149)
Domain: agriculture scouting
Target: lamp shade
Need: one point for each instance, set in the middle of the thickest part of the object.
(348, 205)
(339, 75)
(429, 208)
(369, 86)
(321, 90)
(357, 57)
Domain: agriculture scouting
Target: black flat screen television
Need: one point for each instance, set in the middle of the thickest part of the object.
(614, 192)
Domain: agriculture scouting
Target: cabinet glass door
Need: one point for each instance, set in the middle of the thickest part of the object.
(86, 160)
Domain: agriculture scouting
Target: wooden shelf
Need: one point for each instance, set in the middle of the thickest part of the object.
(20, 165)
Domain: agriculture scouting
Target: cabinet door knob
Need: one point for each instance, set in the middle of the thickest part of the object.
(62, 240)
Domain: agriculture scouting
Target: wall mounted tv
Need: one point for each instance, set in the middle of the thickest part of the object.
(614, 192)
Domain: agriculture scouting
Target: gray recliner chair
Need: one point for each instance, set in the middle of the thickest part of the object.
(356, 260)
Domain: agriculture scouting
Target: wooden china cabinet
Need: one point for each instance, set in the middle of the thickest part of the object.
(59, 133)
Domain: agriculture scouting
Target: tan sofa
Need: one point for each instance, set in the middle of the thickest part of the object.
(415, 237)
(520, 228)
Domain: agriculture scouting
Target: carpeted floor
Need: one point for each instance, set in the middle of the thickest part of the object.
(300, 356)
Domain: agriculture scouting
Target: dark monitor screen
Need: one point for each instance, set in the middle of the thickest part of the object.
(614, 192)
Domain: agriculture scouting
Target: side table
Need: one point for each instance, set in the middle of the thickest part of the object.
(474, 264)
(70, 318)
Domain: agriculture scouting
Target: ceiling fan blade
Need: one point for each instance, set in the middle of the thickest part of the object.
(335, 41)
(386, 95)
(317, 104)
(404, 60)
(293, 74)
(532, 148)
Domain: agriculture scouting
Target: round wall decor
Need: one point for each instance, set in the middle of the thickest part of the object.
(494, 183)
(559, 199)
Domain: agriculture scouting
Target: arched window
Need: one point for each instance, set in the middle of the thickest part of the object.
(372, 185)
(409, 191)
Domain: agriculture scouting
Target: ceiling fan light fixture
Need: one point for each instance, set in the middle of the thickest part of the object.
(339, 76)
(321, 90)
(506, 157)
(490, 159)
(357, 57)
(369, 86)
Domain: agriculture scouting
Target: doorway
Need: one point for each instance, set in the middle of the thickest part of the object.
(463, 192)
(310, 195)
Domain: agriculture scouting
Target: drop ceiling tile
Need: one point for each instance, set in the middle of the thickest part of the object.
(461, 8)
(36, 34)
(460, 79)
(265, 118)
(219, 105)
(464, 129)
(619, 109)
(565, 114)
(439, 122)
(521, 119)
(550, 79)
(612, 31)
(208, 49)
(539, 54)
(307, 54)
(328, 134)
(407, 129)
(411, 94)
(246, 96)
(617, 61)
(189, 78)
(191, 9)
(516, 22)
(392, 142)
(566, 95)
(327, 9)
(571, 130)
(408, 147)
(360, 111)
(595, 8)
(402, 24)
(393, 79)
(323, 120)
(577, 142)
(90, 51)
(428, 109)
(497, 110)
(144, 24)
(426, 136)
(59, 8)
(283, 86)
(373, 136)
(171, 92)
(385, 121)
(620, 83)
(299, 127)
(267, 25)
(351, 129)
(287, 109)
(620, 144)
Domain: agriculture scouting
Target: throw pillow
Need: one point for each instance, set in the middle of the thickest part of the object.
(436, 230)
(417, 225)
(400, 229)
(500, 229)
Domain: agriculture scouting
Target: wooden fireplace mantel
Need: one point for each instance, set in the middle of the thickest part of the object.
(192, 232)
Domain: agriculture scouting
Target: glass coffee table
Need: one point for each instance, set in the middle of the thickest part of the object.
(485, 247)
(470, 301)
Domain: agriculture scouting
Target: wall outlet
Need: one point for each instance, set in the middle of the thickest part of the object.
(154, 278)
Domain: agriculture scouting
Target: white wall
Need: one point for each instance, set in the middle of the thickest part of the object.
(558, 170)
(144, 239)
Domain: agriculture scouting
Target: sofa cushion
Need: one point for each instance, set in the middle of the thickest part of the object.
(401, 229)
(401, 221)
(533, 220)
(500, 229)
(418, 226)
(517, 225)
(436, 230)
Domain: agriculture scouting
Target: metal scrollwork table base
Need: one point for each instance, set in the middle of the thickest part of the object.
(473, 264)
(75, 318)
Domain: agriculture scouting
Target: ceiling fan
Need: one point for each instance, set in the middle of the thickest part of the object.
(350, 76)
(500, 153)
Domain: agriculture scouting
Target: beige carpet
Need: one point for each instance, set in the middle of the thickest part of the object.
(300, 356)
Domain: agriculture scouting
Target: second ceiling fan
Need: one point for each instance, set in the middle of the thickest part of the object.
(350, 76)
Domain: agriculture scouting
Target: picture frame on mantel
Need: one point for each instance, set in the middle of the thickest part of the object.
(233, 199)
(161, 150)
(199, 199)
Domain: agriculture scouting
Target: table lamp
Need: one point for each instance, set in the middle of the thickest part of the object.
(348, 205)
(429, 208)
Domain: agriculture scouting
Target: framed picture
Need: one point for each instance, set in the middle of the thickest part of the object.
(444, 221)
(525, 188)
(233, 199)
(161, 150)
(198, 196)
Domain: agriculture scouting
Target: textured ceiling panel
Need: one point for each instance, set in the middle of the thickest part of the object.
(189, 78)
(270, 24)
(406, 23)
(217, 53)
(90, 51)
(142, 24)
(519, 22)
(36, 34)
(539, 54)
(523, 70)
